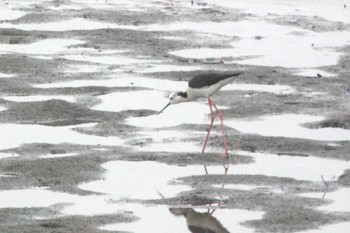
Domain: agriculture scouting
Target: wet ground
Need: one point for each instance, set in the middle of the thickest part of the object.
(82, 149)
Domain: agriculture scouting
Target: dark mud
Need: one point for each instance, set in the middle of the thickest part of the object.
(284, 212)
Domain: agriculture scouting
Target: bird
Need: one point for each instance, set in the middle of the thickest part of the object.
(204, 86)
(199, 222)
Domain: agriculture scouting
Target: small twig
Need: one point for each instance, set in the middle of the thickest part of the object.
(327, 185)
(212, 211)
(161, 195)
(206, 170)
(324, 181)
(324, 195)
(226, 167)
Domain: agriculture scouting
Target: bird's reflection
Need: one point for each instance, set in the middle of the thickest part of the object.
(198, 222)
(225, 166)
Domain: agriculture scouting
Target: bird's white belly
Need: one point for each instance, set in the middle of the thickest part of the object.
(195, 93)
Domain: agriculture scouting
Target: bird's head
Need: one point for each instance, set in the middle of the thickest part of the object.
(175, 98)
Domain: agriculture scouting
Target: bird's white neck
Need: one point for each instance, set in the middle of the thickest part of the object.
(189, 97)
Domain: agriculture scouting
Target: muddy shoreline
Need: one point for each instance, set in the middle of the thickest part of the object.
(25, 166)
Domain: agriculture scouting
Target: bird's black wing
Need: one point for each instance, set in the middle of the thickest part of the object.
(204, 80)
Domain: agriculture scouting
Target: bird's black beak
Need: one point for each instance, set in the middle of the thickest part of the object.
(163, 109)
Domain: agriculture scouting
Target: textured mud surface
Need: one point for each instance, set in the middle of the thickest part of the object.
(25, 166)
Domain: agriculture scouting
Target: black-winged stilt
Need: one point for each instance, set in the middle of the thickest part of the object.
(205, 85)
(199, 222)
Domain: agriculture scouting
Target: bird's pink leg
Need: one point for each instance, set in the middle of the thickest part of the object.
(221, 115)
(213, 115)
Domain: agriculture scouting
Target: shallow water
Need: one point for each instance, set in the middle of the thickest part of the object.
(135, 187)
(290, 125)
(9, 14)
(34, 98)
(18, 134)
(163, 84)
(123, 80)
(51, 156)
(4, 155)
(68, 25)
(174, 115)
(275, 8)
(293, 47)
(340, 200)
(168, 68)
(108, 59)
(300, 168)
(116, 101)
(36, 197)
(160, 219)
(342, 227)
(83, 69)
(116, 188)
(313, 73)
(303, 50)
(3, 75)
(156, 218)
(291, 50)
(43, 47)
